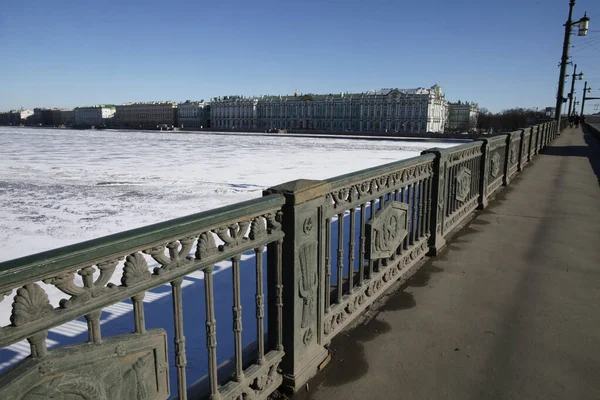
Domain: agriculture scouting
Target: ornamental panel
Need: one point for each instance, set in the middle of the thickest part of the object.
(463, 184)
(120, 368)
(387, 230)
(495, 165)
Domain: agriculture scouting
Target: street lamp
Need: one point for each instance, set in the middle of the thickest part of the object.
(574, 76)
(586, 90)
(582, 25)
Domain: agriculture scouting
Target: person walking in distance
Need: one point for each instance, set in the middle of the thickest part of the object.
(577, 121)
(571, 120)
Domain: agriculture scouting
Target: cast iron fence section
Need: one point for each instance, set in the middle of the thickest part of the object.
(513, 143)
(331, 249)
(176, 248)
(379, 222)
(461, 169)
(525, 148)
(496, 160)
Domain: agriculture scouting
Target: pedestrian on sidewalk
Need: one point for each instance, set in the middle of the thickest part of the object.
(571, 121)
(577, 121)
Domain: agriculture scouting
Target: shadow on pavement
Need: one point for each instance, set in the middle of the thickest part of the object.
(591, 151)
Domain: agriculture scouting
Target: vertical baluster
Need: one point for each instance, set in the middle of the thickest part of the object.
(237, 319)
(404, 197)
(371, 263)
(381, 201)
(260, 305)
(361, 261)
(415, 226)
(279, 296)
(37, 344)
(454, 199)
(180, 356)
(211, 331)
(474, 179)
(429, 205)
(138, 313)
(351, 250)
(340, 258)
(327, 264)
(452, 196)
(475, 182)
(421, 192)
(93, 318)
(93, 323)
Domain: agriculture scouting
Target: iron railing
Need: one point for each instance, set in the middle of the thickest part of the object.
(315, 255)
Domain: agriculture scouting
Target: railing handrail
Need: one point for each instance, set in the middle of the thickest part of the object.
(456, 149)
(105, 248)
(374, 172)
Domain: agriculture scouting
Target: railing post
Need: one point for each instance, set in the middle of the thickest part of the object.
(532, 142)
(506, 179)
(485, 171)
(302, 260)
(543, 142)
(521, 147)
(537, 136)
(438, 206)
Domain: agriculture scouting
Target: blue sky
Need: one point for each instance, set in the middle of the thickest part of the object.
(500, 54)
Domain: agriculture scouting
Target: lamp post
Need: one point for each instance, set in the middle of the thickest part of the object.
(583, 25)
(586, 90)
(579, 76)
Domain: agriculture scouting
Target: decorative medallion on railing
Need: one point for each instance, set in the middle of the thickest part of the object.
(387, 230)
(463, 184)
(495, 165)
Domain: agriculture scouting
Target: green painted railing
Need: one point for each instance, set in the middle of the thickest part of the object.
(328, 248)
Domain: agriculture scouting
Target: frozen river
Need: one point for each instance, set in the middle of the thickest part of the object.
(60, 186)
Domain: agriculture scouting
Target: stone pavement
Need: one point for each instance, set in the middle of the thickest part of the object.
(510, 311)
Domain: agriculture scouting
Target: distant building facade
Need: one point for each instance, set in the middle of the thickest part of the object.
(385, 110)
(67, 117)
(193, 114)
(15, 117)
(94, 116)
(148, 115)
(235, 112)
(462, 116)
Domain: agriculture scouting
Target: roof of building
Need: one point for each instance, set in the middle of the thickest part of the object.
(313, 96)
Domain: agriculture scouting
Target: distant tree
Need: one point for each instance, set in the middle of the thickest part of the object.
(507, 120)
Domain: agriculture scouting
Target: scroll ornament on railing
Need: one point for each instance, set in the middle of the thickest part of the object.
(91, 288)
(178, 255)
(464, 154)
(377, 186)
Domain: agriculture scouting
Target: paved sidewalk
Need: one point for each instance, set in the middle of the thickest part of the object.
(510, 311)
